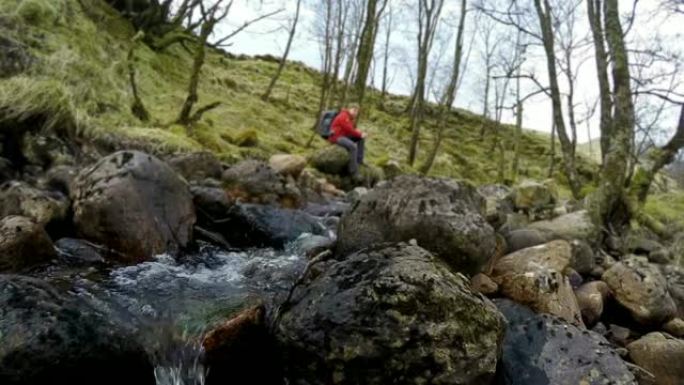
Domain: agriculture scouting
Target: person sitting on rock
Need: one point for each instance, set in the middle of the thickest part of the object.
(346, 135)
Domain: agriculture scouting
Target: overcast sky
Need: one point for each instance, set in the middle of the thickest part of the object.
(652, 27)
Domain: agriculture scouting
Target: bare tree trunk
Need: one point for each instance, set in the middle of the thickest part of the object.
(364, 54)
(198, 62)
(544, 14)
(385, 66)
(327, 58)
(428, 17)
(342, 14)
(552, 157)
(518, 131)
(283, 60)
(137, 108)
(450, 95)
(606, 103)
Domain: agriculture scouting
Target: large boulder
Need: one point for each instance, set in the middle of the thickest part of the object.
(575, 225)
(23, 243)
(135, 204)
(545, 350)
(641, 288)
(196, 165)
(531, 196)
(444, 216)
(287, 164)
(389, 315)
(51, 338)
(18, 198)
(331, 160)
(255, 181)
(661, 355)
(248, 225)
(534, 277)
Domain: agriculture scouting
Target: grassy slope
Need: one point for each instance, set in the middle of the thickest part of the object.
(81, 76)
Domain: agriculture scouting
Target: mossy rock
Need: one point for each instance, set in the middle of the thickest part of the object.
(332, 160)
(246, 138)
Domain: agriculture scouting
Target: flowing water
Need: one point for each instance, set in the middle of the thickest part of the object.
(171, 302)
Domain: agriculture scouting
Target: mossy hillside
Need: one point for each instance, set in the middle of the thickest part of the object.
(80, 79)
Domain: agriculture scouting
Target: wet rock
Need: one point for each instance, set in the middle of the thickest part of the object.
(78, 252)
(590, 298)
(391, 314)
(641, 288)
(545, 350)
(531, 196)
(328, 209)
(211, 204)
(196, 166)
(533, 277)
(574, 277)
(661, 355)
(256, 182)
(135, 204)
(18, 198)
(23, 243)
(675, 327)
(483, 284)
(312, 245)
(576, 225)
(51, 338)
(356, 194)
(287, 164)
(523, 238)
(443, 216)
(240, 351)
(248, 225)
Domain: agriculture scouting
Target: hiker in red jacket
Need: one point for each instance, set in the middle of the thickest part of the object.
(346, 135)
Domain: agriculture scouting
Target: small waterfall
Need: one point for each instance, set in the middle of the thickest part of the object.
(178, 358)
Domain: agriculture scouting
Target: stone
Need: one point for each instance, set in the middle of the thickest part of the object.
(18, 198)
(391, 314)
(332, 159)
(248, 225)
(576, 225)
(287, 164)
(483, 284)
(591, 298)
(254, 181)
(674, 275)
(545, 350)
(78, 252)
(531, 196)
(54, 338)
(392, 169)
(135, 204)
(675, 327)
(660, 354)
(196, 166)
(641, 288)
(444, 216)
(211, 204)
(498, 203)
(533, 277)
(60, 178)
(23, 244)
(583, 258)
(523, 238)
(619, 335)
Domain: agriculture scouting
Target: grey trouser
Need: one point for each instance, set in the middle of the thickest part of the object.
(355, 147)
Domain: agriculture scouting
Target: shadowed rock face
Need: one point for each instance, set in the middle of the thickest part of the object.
(545, 350)
(50, 338)
(135, 204)
(392, 314)
(443, 216)
(661, 355)
(23, 244)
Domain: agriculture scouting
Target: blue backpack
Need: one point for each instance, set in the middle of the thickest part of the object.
(325, 124)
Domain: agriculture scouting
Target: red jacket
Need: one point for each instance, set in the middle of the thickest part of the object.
(343, 125)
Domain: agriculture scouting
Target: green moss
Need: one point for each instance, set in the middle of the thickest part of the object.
(38, 12)
(667, 208)
(246, 138)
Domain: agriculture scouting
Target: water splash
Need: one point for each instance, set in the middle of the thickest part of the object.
(178, 357)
